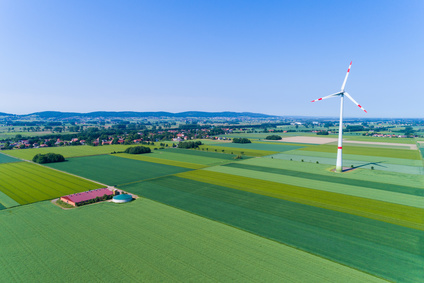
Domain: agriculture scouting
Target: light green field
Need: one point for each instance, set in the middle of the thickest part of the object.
(406, 216)
(390, 178)
(377, 159)
(279, 147)
(148, 241)
(377, 139)
(331, 184)
(369, 151)
(26, 182)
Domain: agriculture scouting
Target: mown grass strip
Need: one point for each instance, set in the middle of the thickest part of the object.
(407, 216)
(382, 249)
(238, 151)
(369, 151)
(333, 179)
(144, 157)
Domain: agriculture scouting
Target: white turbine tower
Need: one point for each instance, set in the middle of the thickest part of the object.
(342, 93)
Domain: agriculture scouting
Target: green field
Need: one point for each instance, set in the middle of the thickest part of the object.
(147, 241)
(262, 146)
(237, 151)
(380, 248)
(369, 151)
(68, 151)
(7, 159)
(114, 170)
(403, 215)
(26, 183)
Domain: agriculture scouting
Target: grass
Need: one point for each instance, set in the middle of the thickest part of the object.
(27, 183)
(147, 241)
(114, 170)
(378, 139)
(7, 159)
(237, 151)
(369, 151)
(393, 213)
(6, 201)
(382, 249)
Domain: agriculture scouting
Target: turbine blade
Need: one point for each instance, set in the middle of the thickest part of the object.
(353, 100)
(347, 74)
(328, 96)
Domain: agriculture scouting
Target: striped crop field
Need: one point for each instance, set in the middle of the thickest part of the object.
(27, 183)
(390, 178)
(7, 159)
(236, 150)
(68, 151)
(389, 251)
(263, 146)
(158, 158)
(393, 213)
(368, 151)
(114, 170)
(148, 241)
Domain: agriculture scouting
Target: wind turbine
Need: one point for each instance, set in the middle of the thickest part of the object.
(341, 93)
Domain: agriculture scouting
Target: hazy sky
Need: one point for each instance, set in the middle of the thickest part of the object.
(271, 57)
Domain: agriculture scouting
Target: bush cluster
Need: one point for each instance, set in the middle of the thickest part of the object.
(48, 158)
(322, 133)
(241, 140)
(189, 144)
(273, 137)
(94, 200)
(138, 150)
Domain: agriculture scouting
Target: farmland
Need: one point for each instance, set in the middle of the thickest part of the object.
(68, 151)
(156, 243)
(113, 170)
(367, 222)
(27, 183)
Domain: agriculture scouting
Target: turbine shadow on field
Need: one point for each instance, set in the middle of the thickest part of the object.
(366, 164)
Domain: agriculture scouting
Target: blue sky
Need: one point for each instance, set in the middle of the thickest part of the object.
(270, 57)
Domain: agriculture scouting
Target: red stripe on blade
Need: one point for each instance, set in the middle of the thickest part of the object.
(319, 98)
(339, 147)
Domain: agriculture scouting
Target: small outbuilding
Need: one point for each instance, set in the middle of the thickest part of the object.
(122, 198)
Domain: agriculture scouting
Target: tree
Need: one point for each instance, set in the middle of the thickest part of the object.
(241, 140)
(273, 137)
(48, 158)
(138, 150)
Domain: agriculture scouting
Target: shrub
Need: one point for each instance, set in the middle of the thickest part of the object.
(273, 137)
(138, 150)
(241, 140)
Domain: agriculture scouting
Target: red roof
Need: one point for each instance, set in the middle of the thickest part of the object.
(78, 197)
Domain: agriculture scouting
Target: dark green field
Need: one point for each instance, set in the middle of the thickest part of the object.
(112, 170)
(7, 159)
(262, 146)
(382, 249)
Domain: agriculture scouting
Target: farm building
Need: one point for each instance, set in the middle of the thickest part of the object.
(85, 196)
